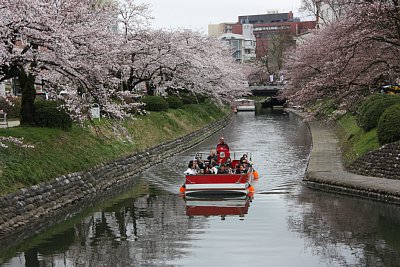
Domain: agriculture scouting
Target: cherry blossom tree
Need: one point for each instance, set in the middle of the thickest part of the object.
(174, 59)
(348, 58)
(326, 11)
(99, 51)
(70, 45)
(275, 49)
(133, 17)
(181, 59)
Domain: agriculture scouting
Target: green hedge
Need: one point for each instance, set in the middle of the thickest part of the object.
(49, 114)
(389, 125)
(371, 110)
(201, 98)
(174, 102)
(188, 99)
(12, 110)
(364, 104)
(155, 103)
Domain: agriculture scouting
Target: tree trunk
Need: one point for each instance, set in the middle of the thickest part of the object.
(27, 82)
(151, 89)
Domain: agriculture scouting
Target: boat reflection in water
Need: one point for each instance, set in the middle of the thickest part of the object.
(217, 206)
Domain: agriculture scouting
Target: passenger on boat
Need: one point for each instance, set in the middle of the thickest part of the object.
(223, 169)
(213, 156)
(222, 143)
(228, 162)
(244, 160)
(207, 170)
(199, 163)
(191, 168)
(240, 169)
(214, 169)
(229, 169)
(222, 151)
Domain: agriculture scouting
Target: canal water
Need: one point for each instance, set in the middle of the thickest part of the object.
(284, 224)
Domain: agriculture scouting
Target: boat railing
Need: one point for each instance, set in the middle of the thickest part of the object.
(234, 155)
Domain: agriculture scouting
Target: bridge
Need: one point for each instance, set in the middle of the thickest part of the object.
(266, 90)
(269, 95)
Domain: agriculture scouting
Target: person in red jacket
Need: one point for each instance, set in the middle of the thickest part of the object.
(222, 143)
(222, 151)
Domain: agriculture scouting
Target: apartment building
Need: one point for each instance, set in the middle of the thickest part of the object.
(243, 45)
(266, 26)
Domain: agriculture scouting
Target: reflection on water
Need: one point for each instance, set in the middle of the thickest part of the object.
(235, 206)
(145, 230)
(285, 224)
(354, 232)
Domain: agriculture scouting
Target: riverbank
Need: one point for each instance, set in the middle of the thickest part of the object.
(325, 170)
(59, 152)
(32, 209)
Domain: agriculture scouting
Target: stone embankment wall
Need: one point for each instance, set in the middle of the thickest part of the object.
(31, 209)
(325, 170)
(383, 162)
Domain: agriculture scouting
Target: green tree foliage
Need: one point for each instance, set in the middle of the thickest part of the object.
(50, 114)
(188, 99)
(155, 103)
(371, 110)
(366, 102)
(174, 102)
(201, 98)
(389, 125)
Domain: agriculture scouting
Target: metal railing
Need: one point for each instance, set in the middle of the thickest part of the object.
(3, 120)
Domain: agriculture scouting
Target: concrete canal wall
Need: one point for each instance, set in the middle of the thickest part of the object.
(326, 172)
(32, 209)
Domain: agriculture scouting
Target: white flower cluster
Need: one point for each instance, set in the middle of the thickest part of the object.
(81, 55)
(14, 140)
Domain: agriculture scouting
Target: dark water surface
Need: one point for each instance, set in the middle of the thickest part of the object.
(285, 224)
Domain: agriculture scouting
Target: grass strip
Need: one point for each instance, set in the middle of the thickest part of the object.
(59, 152)
(355, 142)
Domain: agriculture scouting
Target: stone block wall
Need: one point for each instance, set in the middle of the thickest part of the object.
(31, 209)
(383, 162)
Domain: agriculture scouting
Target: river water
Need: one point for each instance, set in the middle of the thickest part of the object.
(284, 224)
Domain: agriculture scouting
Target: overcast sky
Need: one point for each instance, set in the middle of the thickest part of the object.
(197, 14)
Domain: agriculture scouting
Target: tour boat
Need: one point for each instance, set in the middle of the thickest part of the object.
(217, 206)
(244, 105)
(220, 184)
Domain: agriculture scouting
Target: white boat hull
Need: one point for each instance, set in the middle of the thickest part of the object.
(246, 108)
(240, 188)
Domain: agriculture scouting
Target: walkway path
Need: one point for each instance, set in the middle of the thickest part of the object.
(325, 170)
(12, 123)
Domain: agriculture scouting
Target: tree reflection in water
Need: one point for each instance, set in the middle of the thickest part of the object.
(332, 225)
(154, 230)
(148, 230)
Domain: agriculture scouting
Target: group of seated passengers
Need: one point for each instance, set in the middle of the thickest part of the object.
(211, 166)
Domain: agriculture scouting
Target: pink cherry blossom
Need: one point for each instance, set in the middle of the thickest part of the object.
(92, 50)
(348, 58)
